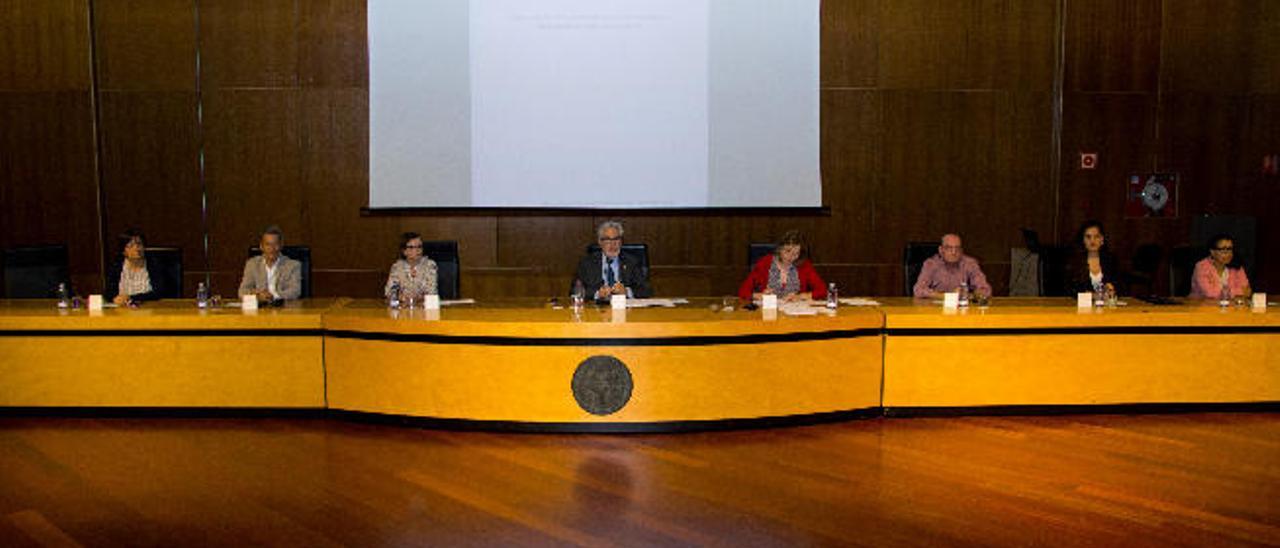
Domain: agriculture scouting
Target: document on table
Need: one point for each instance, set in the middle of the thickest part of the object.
(859, 301)
(650, 303)
(451, 302)
(801, 308)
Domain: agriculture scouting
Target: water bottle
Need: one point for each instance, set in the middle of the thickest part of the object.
(1099, 297)
(393, 298)
(64, 296)
(1224, 296)
(202, 295)
(833, 296)
(579, 294)
(962, 297)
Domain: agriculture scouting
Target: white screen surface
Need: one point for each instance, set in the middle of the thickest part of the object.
(593, 103)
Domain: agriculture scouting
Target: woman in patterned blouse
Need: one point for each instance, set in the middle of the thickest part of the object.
(414, 272)
(134, 278)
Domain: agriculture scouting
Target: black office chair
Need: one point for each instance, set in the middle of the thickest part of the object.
(169, 260)
(300, 253)
(1146, 263)
(757, 250)
(1053, 270)
(35, 272)
(913, 258)
(1182, 263)
(638, 252)
(448, 266)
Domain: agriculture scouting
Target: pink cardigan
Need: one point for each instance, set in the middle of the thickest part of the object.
(1207, 284)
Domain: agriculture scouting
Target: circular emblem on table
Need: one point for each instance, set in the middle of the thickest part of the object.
(602, 385)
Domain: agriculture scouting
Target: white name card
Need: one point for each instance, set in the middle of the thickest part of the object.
(618, 302)
(432, 302)
(1084, 299)
(249, 302)
(951, 300)
(95, 302)
(769, 302)
(1259, 301)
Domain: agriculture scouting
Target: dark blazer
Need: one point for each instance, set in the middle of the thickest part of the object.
(1077, 273)
(629, 270)
(159, 285)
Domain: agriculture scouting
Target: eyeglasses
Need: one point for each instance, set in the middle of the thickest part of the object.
(411, 246)
(613, 239)
(952, 248)
(1224, 249)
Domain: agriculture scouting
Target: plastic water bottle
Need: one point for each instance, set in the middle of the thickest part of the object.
(1099, 297)
(579, 294)
(833, 296)
(1224, 296)
(202, 295)
(393, 299)
(962, 297)
(64, 296)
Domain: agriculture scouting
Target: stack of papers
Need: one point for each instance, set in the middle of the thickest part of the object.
(859, 301)
(648, 303)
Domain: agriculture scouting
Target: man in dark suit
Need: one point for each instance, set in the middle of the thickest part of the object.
(610, 272)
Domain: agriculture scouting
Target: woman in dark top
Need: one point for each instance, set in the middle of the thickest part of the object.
(1092, 266)
(134, 277)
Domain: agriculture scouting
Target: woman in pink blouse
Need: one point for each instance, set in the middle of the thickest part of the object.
(1219, 271)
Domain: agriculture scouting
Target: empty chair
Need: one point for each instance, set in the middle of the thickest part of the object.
(448, 266)
(300, 253)
(1146, 263)
(169, 259)
(913, 258)
(1182, 262)
(34, 272)
(755, 250)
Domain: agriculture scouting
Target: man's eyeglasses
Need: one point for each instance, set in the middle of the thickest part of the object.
(613, 239)
(413, 246)
(1224, 249)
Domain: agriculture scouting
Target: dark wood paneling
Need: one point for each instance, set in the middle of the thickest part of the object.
(941, 44)
(248, 43)
(850, 32)
(1201, 139)
(852, 132)
(48, 191)
(150, 171)
(1121, 129)
(1209, 45)
(146, 44)
(332, 44)
(253, 156)
(44, 45)
(1112, 46)
(958, 162)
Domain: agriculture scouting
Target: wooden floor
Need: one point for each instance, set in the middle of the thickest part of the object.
(1160, 480)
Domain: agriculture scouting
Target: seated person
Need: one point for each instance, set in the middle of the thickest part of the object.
(608, 271)
(135, 277)
(1219, 272)
(944, 272)
(1091, 266)
(785, 273)
(271, 276)
(414, 272)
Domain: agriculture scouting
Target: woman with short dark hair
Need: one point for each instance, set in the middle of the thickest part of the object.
(134, 277)
(1219, 272)
(414, 273)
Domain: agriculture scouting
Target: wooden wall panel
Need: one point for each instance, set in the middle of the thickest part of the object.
(852, 132)
(332, 44)
(44, 45)
(150, 172)
(1112, 46)
(248, 43)
(1209, 45)
(985, 44)
(146, 44)
(49, 193)
(850, 32)
(253, 161)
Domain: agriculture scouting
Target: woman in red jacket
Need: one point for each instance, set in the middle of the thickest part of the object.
(784, 273)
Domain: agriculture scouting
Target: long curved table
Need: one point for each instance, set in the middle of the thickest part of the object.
(517, 362)
(527, 364)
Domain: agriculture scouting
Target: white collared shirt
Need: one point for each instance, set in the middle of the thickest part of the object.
(271, 277)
